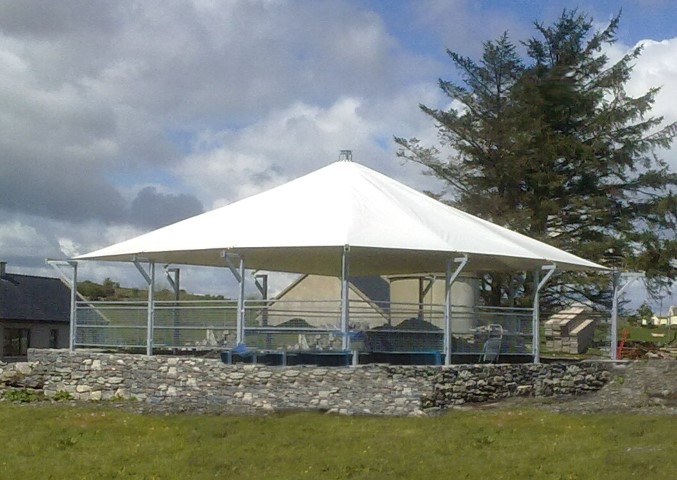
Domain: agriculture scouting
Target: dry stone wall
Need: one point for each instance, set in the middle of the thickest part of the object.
(198, 384)
(481, 383)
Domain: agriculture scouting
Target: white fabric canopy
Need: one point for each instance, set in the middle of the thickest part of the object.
(303, 226)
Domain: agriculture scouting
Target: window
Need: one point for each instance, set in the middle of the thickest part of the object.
(17, 341)
(54, 338)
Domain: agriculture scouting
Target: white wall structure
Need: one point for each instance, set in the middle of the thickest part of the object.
(428, 292)
(316, 299)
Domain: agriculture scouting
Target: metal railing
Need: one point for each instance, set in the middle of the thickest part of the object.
(299, 325)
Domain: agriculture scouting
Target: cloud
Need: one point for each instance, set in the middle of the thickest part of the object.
(657, 67)
(96, 93)
(463, 25)
(152, 209)
(228, 165)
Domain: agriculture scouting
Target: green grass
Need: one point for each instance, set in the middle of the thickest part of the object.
(643, 334)
(91, 443)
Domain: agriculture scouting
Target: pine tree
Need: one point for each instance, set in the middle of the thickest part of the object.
(553, 147)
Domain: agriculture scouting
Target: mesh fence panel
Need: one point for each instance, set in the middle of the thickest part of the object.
(293, 325)
(195, 324)
(111, 324)
(315, 325)
(474, 328)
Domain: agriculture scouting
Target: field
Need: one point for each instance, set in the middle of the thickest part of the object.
(63, 442)
(658, 335)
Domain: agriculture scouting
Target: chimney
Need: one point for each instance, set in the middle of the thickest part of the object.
(3, 266)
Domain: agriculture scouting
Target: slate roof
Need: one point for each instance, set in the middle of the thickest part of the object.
(28, 297)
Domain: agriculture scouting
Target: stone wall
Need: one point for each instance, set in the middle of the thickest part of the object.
(480, 383)
(197, 384)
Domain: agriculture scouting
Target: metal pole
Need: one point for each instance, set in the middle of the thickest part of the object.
(345, 304)
(617, 292)
(449, 280)
(241, 307)
(71, 283)
(74, 308)
(177, 312)
(151, 310)
(536, 316)
(447, 315)
(175, 283)
(614, 317)
(261, 282)
(536, 320)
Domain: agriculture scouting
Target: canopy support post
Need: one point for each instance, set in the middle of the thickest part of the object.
(617, 292)
(72, 283)
(150, 280)
(261, 282)
(449, 280)
(238, 273)
(536, 315)
(240, 337)
(174, 278)
(345, 304)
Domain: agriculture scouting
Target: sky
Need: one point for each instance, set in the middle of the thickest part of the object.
(119, 117)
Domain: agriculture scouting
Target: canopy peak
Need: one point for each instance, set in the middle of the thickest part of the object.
(345, 156)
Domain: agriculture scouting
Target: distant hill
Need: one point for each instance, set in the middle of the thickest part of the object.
(112, 291)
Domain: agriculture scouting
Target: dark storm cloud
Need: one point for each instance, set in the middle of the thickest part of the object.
(90, 89)
(47, 18)
(152, 209)
(58, 193)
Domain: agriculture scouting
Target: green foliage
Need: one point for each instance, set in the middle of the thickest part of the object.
(62, 396)
(94, 291)
(112, 291)
(23, 396)
(644, 311)
(108, 443)
(553, 147)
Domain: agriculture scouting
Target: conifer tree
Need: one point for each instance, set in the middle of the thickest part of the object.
(552, 146)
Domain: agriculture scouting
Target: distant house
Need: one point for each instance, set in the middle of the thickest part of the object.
(669, 320)
(34, 312)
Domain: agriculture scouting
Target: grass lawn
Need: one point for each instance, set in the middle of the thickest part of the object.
(644, 334)
(60, 442)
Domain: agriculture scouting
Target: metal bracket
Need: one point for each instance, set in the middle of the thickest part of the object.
(431, 281)
(630, 276)
(235, 270)
(262, 287)
(142, 270)
(57, 264)
(549, 269)
(172, 275)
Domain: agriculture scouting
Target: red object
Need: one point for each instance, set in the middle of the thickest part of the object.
(625, 335)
